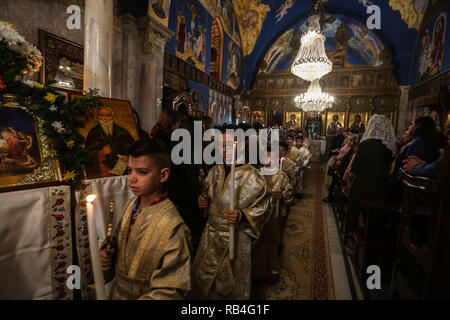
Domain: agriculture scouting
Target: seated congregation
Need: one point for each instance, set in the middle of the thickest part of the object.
(390, 201)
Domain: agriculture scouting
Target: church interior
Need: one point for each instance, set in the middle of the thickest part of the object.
(354, 96)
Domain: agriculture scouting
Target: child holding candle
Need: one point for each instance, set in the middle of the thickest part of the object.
(215, 275)
(288, 165)
(152, 246)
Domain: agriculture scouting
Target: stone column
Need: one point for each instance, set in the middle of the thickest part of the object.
(98, 35)
(402, 110)
(131, 57)
(153, 39)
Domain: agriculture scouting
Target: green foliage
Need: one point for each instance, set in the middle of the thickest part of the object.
(61, 118)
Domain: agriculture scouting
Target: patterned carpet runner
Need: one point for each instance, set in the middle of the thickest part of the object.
(305, 259)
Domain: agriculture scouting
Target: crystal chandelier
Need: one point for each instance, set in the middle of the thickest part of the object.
(314, 100)
(311, 62)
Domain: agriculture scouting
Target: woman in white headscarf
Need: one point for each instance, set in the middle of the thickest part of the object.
(371, 167)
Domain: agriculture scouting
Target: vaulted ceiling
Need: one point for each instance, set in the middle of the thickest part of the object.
(284, 14)
(394, 32)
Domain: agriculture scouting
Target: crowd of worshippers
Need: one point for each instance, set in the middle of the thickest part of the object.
(172, 241)
(366, 166)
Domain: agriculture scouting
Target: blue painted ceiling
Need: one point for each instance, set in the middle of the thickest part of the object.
(394, 32)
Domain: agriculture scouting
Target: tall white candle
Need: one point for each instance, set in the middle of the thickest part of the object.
(93, 246)
(280, 174)
(232, 201)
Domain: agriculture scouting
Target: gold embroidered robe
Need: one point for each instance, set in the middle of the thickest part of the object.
(291, 170)
(294, 155)
(265, 252)
(304, 156)
(214, 275)
(155, 261)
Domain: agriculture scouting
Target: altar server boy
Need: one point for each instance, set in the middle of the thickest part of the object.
(150, 258)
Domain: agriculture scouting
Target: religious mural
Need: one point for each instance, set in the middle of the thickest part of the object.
(224, 10)
(191, 39)
(432, 49)
(220, 107)
(217, 54)
(207, 37)
(283, 10)
(159, 9)
(345, 38)
(251, 15)
(412, 11)
(233, 66)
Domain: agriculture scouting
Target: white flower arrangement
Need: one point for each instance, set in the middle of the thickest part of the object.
(58, 126)
(18, 43)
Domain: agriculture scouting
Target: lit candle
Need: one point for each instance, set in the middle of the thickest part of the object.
(280, 174)
(232, 202)
(93, 246)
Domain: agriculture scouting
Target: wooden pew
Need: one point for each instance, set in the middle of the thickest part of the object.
(422, 264)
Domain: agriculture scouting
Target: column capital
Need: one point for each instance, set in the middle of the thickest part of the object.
(153, 34)
(127, 18)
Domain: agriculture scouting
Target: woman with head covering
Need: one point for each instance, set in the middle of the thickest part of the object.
(370, 167)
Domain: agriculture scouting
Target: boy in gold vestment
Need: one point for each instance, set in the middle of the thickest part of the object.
(153, 258)
(215, 275)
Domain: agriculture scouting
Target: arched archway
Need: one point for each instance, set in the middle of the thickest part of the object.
(216, 67)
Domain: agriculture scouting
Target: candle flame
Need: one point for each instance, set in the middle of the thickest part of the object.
(90, 198)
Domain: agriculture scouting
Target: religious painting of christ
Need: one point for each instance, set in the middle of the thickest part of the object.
(181, 31)
(109, 135)
(25, 153)
(425, 52)
(437, 51)
(293, 120)
(191, 36)
(233, 66)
